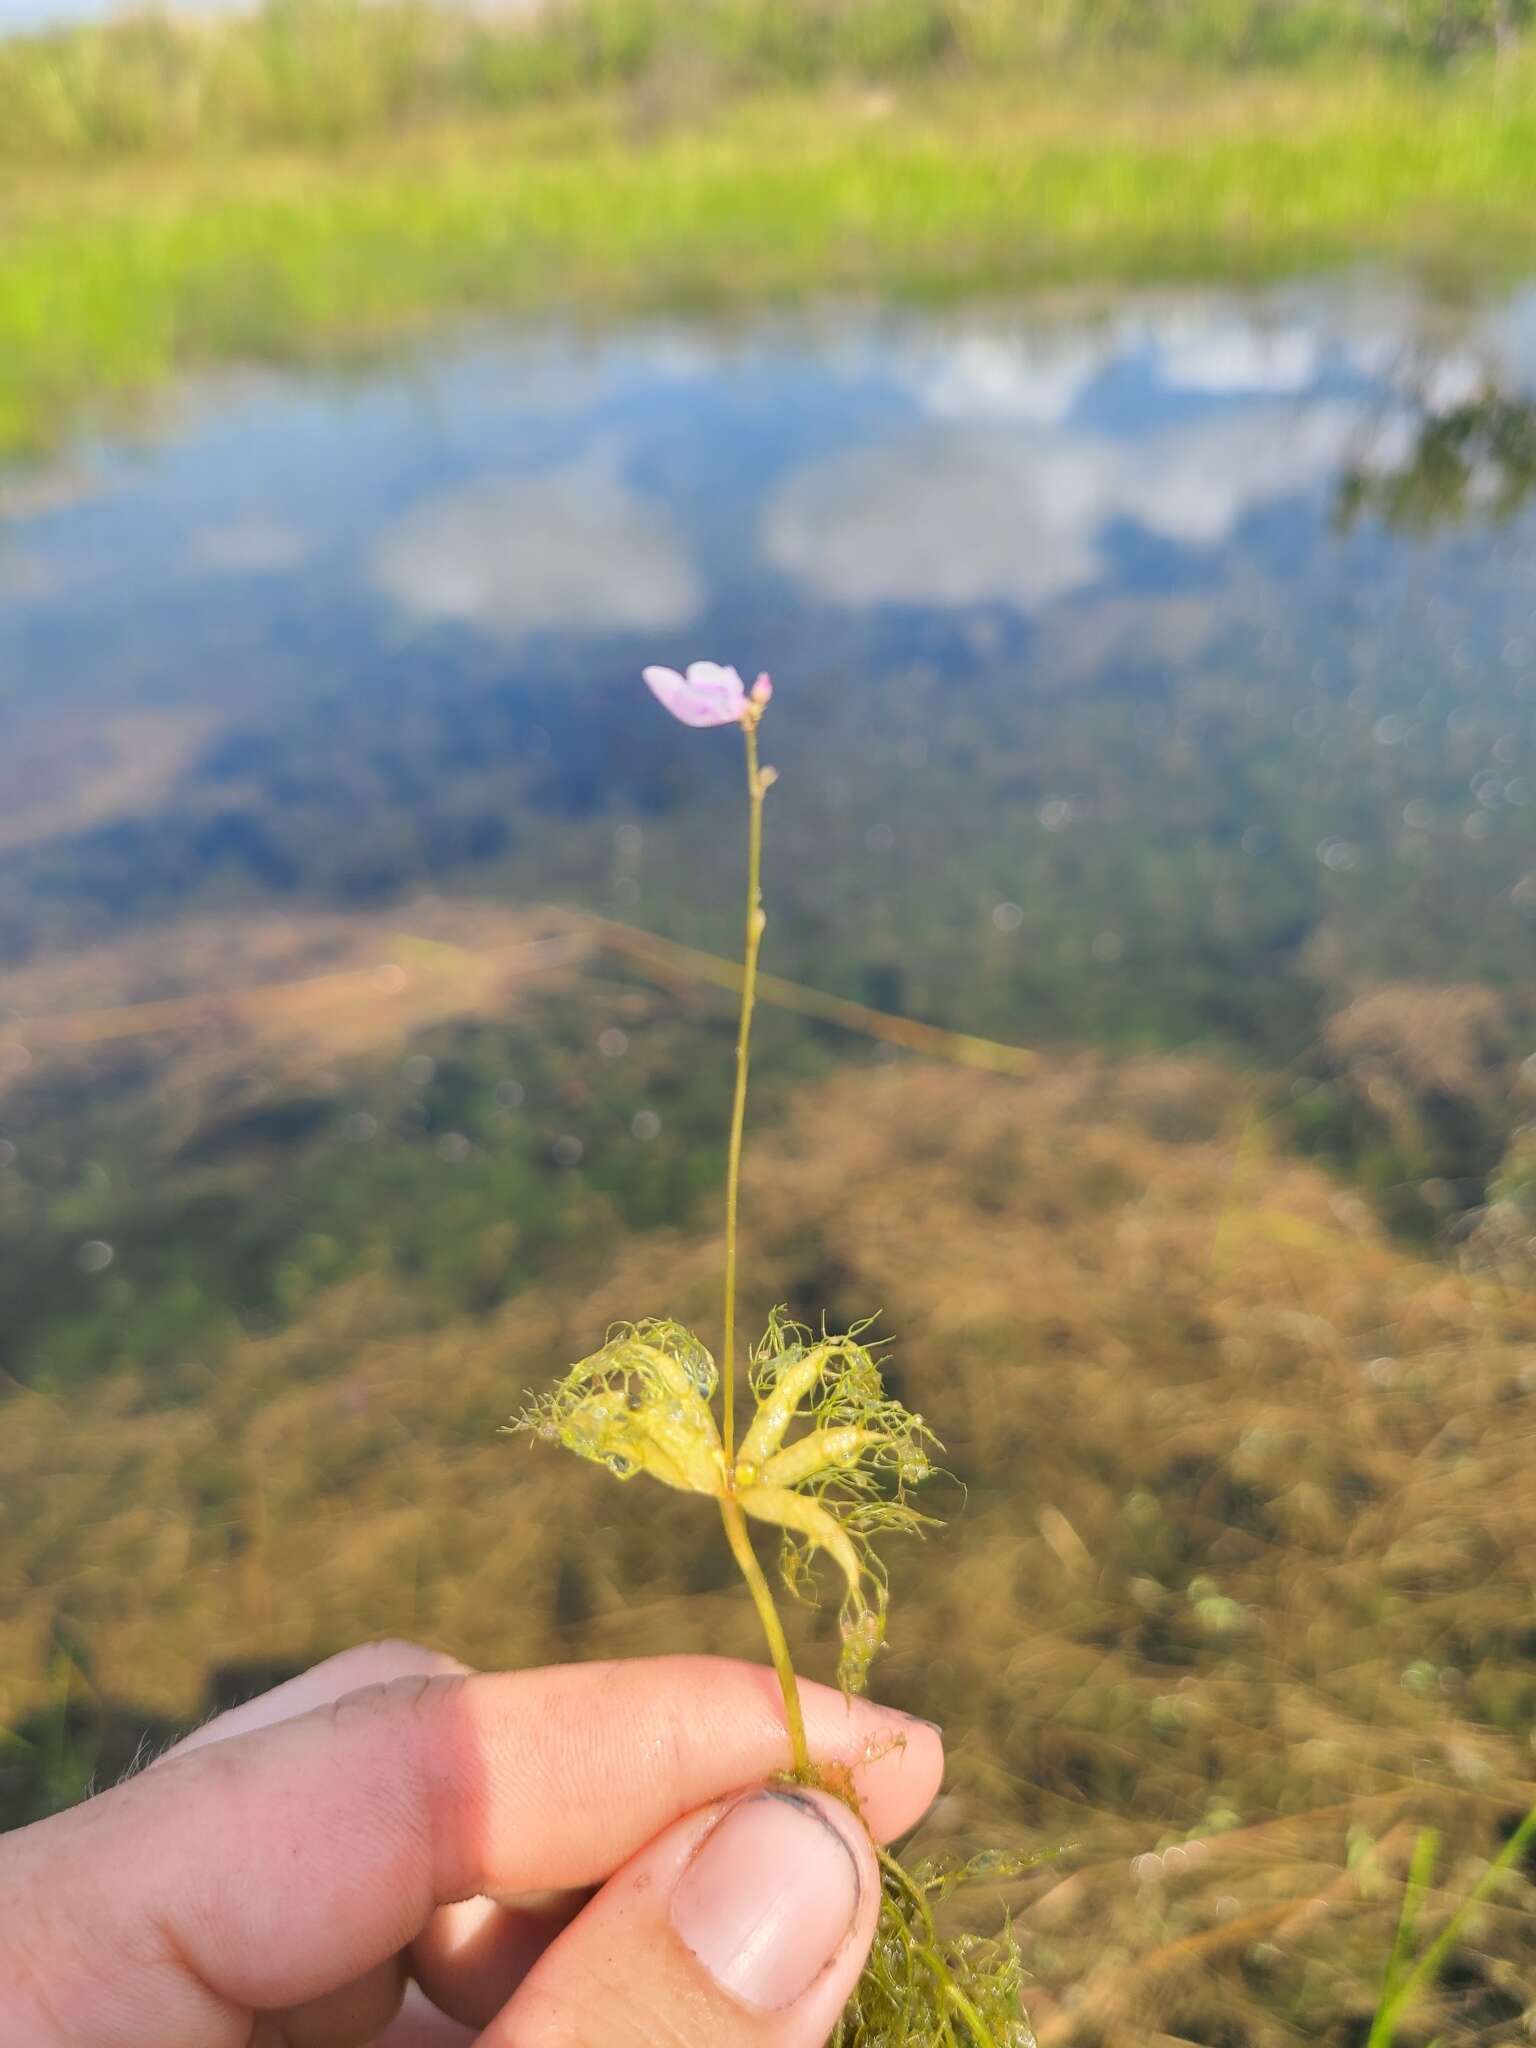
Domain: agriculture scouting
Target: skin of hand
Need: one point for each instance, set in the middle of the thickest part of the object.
(393, 1849)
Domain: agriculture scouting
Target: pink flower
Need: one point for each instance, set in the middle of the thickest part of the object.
(708, 694)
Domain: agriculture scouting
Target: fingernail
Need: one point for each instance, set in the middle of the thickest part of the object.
(769, 1899)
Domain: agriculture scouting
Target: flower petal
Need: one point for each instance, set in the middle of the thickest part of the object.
(707, 695)
(719, 685)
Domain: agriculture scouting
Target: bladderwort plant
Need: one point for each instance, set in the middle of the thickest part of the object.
(828, 1459)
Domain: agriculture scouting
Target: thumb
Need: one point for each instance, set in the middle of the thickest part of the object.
(743, 1926)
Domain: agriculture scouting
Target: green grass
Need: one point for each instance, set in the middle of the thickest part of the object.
(323, 72)
(115, 276)
(1406, 1981)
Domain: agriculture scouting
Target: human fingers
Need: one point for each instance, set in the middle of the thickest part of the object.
(267, 1870)
(743, 1926)
(472, 1956)
(348, 1671)
(357, 2012)
(419, 2024)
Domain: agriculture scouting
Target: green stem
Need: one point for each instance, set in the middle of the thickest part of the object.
(755, 923)
(741, 1549)
(735, 1521)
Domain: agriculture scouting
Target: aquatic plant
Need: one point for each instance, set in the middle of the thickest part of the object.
(827, 1458)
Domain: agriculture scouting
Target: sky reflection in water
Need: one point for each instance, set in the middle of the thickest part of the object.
(386, 627)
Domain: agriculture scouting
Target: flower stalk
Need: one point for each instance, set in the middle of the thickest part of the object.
(826, 1459)
(736, 1532)
(757, 789)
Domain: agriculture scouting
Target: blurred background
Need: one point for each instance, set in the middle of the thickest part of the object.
(1114, 424)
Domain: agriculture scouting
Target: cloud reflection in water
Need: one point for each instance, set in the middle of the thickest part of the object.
(970, 513)
(573, 549)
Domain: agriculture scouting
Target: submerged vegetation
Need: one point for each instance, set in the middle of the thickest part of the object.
(478, 1131)
(1245, 1550)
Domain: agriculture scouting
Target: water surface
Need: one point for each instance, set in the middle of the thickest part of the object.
(1147, 670)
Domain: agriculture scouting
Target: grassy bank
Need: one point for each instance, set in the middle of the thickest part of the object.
(117, 273)
(324, 72)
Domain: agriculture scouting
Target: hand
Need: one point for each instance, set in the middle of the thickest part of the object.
(581, 1857)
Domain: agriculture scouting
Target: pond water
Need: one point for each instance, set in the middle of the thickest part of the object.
(1159, 672)
(1147, 670)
